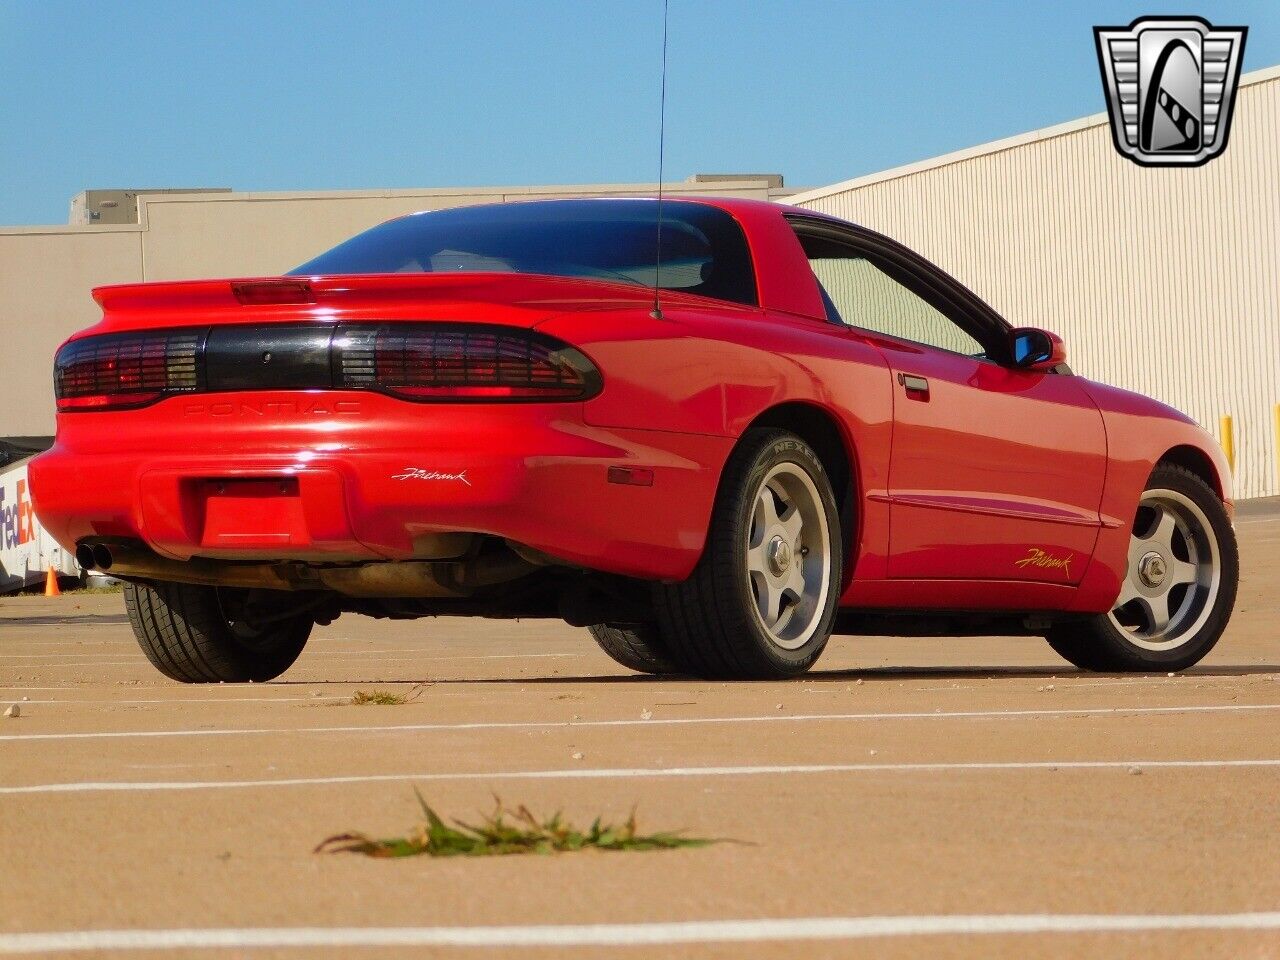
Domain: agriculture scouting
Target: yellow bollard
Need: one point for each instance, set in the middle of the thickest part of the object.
(1228, 435)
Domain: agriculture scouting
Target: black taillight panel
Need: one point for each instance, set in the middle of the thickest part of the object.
(128, 369)
(460, 362)
(268, 357)
(419, 361)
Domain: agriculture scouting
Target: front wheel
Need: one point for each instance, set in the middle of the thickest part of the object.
(762, 601)
(1179, 587)
(198, 634)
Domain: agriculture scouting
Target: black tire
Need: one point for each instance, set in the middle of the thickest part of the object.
(709, 622)
(1099, 644)
(186, 634)
(636, 646)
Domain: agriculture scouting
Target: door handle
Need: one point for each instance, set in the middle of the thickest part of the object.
(913, 384)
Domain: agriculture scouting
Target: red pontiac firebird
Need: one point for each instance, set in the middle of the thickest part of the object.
(712, 431)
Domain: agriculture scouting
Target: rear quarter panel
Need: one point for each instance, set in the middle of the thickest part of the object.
(713, 370)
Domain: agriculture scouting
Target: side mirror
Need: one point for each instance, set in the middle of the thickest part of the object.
(1033, 349)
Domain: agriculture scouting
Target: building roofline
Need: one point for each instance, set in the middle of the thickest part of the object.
(994, 146)
(745, 183)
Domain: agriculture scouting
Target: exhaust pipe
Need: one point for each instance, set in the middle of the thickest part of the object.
(416, 579)
(94, 556)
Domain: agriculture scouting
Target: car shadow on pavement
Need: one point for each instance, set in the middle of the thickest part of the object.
(870, 675)
(1000, 673)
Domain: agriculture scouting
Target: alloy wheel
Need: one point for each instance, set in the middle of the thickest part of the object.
(1174, 573)
(789, 556)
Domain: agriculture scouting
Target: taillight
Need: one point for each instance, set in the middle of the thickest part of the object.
(415, 361)
(125, 369)
(442, 361)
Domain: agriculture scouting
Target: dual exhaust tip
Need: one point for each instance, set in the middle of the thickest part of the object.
(94, 556)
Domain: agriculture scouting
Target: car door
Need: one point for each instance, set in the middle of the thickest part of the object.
(995, 472)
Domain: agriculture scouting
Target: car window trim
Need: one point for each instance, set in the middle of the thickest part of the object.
(944, 293)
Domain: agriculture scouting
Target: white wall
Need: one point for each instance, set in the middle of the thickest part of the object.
(46, 274)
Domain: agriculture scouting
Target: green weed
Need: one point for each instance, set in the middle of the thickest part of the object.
(504, 831)
(384, 698)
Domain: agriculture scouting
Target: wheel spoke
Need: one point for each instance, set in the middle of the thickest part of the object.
(1182, 572)
(768, 599)
(766, 512)
(1162, 532)
(756, 559)
(792, 523)
(1157, 611)
(794, 585)
(1128, 592)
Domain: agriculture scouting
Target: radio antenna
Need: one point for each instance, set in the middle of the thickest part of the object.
(662, 133)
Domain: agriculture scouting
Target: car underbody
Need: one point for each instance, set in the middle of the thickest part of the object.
(491, 578)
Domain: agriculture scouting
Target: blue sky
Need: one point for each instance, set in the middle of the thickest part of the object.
(337, 95)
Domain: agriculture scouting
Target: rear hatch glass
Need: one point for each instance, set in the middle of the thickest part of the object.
(703, 250)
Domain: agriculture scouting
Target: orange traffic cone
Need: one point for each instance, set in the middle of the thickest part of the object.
(51, 584)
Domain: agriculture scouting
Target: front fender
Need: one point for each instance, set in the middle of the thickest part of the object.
(1141, 432)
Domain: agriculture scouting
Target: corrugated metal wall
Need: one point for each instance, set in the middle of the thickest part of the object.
(1163, 281)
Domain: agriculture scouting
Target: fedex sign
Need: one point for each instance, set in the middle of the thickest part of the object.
(17, 518)
(26, 551)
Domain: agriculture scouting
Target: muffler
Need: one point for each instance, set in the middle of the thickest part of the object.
(416, 579)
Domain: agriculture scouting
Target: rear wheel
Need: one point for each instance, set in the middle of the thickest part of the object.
(762, 600)
(1179, 588)
(637, 646)
(198, 634)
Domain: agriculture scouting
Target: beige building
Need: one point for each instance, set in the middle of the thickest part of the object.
(1162, 280)
(129, 236)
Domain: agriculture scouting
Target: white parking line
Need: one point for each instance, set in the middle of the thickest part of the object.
(619, 773)
(63, 656)
(652, 722)
(633, 934)
(327, 698)
(79, 665)
(331, 659)
(76, 659)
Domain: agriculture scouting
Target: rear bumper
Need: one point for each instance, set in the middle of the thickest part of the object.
(352, 476)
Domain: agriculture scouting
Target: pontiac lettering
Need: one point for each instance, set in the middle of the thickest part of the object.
(274, 408)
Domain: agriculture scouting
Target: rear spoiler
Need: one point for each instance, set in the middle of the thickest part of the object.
(528, 299)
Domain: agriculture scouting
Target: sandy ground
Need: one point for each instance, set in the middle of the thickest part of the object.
(965, 789)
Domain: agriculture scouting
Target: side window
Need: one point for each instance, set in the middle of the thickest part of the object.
(858, 293)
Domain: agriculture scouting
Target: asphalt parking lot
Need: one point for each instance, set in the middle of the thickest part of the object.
(941, 797)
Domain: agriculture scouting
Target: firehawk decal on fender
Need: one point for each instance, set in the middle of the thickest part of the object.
(417, 473)
(819, 432)
(1040, 558)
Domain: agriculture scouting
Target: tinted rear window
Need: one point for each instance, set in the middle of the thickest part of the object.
(703, 248)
